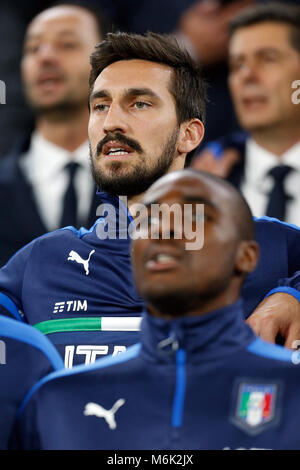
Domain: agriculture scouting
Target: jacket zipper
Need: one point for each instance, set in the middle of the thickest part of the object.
(180, 386)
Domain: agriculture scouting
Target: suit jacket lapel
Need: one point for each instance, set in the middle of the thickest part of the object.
(237, 173)
(26, 207)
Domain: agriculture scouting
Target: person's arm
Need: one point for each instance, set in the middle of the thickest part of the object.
(277, 317)
(11, 283)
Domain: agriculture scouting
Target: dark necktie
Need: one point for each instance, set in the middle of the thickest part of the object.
(278, 197)
(69, 202)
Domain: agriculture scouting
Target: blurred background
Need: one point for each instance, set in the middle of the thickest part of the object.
(201, 26)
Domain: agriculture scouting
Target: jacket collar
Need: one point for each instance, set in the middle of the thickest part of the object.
(206, 337)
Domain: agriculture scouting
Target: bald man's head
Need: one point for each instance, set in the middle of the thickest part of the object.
(56, 59)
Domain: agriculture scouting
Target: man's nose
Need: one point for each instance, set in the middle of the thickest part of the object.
(249, 72)
(115, 119)
(47, 53)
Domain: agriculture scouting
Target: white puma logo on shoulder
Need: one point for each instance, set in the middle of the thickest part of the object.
(109, 415)
(74, 256)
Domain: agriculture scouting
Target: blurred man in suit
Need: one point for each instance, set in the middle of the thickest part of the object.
(203, 30)
(47, 183)
(264, 60)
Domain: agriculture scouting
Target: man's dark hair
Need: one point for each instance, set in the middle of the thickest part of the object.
(274, 12)
(187, 85)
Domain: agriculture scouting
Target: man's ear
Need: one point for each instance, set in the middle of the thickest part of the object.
(247, 256)
(190, 135)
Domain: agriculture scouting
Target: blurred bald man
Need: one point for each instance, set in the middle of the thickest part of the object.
(47, 183)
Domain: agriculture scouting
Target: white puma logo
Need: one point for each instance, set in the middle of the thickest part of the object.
(73, 256)
(109, 415)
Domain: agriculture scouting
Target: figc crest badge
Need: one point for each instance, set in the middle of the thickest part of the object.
(255, 406)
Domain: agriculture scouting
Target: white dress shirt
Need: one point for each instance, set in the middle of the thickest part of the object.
(257, 183)
(44, 168)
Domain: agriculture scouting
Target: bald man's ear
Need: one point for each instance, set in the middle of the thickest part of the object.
(247, 256)
(190, 135)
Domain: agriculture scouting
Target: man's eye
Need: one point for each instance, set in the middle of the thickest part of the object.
(68, 45)
(235, 66)
(141, 105)
(270, 58)
(31, 49)
(101, 107)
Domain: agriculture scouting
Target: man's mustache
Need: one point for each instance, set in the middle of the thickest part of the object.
(118, 137)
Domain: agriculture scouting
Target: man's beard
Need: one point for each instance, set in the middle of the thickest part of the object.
(183, 296)
(138, 179)
(174, 305)
(56, 111)
(180, 302)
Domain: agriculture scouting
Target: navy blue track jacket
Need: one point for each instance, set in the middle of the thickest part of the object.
(193, 383)
(73, 285)
(25, 357)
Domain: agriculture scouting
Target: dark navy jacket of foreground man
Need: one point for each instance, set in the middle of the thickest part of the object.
(25, 357)
(196, 383)
(78, 289)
